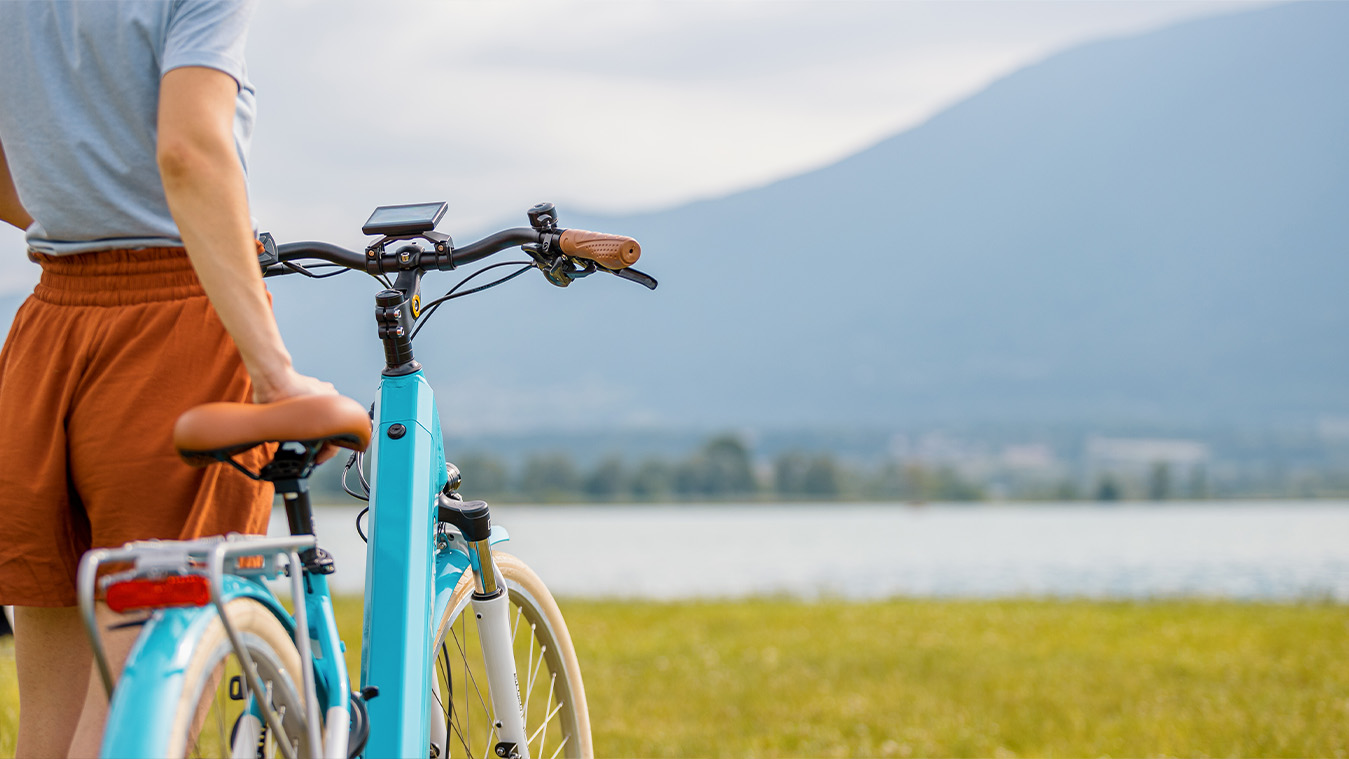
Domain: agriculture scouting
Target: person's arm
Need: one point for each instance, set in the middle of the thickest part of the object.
(11, 210)
(205, 187)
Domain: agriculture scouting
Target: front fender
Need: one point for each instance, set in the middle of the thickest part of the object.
(151, 685)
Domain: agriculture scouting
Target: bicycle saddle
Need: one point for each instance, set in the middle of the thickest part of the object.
(216, 431)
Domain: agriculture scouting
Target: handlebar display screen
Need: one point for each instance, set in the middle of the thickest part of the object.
(411, 219)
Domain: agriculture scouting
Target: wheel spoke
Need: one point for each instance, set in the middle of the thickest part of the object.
(563, 745)
(552, 694)
(546, 720)
(532, 676)
(472, 680)
(529, 675)
(463, 741)
(448, 696)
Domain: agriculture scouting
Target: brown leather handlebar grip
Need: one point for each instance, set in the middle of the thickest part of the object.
(609, 251)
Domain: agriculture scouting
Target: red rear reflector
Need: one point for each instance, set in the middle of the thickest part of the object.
(174, 590)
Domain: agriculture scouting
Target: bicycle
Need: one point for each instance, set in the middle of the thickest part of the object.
(221, 668)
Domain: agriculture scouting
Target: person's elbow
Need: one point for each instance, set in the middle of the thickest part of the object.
(184, 157)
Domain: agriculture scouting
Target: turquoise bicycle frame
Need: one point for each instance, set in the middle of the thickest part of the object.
(407, 474)
(408, 586)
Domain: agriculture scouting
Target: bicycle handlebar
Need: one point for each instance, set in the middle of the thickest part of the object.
(323, 251)
(613, 252)
(376, 260)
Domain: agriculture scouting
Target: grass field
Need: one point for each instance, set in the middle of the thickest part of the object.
(908, 678)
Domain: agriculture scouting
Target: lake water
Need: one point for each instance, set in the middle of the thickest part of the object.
(1243, 550)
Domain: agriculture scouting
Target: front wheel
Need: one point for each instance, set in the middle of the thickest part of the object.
(551, 692)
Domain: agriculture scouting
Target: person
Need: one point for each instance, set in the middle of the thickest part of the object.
(124, 132)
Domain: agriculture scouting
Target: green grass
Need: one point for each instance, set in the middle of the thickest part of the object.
(937, 678)
(920, 678)
(9, 698)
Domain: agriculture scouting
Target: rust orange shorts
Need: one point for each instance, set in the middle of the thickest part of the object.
(102, 358)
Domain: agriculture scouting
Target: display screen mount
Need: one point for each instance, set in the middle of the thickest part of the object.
(409, 219)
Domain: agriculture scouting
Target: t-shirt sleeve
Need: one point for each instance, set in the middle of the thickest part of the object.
(209, 33)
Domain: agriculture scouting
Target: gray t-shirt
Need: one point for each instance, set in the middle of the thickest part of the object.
(79, 99)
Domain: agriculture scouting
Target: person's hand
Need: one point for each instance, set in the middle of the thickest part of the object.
(288, 384)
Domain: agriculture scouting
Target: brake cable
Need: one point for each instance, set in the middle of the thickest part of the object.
(299, 269)
(357, 459)
(430, 307)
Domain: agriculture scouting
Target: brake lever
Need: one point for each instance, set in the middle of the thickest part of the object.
(561, 270)
(632, 275)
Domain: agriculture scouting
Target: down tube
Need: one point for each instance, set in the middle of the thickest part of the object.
(408, 472)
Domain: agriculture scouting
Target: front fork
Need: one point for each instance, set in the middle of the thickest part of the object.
(491, 608)
(503, 684)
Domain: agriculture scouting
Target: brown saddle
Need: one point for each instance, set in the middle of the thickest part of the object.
(216, 431)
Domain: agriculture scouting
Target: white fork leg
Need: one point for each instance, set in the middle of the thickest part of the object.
(503, 685)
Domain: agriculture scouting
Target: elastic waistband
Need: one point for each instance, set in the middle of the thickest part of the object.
(116, 277)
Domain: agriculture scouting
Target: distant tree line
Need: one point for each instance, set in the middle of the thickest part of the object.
(723, 468)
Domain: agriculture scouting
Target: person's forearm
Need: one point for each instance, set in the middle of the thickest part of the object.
(11, 210)
(209, 203)
(204, 186)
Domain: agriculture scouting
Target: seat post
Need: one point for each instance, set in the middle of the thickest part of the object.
(299, 510)
(288, 473)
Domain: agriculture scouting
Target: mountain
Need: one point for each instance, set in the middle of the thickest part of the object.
(1149, 227)
(1143, 228)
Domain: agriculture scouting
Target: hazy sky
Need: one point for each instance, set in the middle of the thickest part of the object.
(606, 106)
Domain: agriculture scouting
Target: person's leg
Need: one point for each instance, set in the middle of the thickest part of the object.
(51, 656)
(117, 644)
